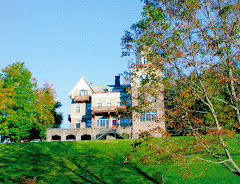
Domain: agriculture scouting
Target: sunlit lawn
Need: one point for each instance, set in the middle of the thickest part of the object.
(97, 162)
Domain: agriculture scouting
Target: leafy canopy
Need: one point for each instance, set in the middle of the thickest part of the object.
(25, 109)
(195, 44)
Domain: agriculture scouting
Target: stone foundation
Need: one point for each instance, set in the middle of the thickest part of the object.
(79, 134)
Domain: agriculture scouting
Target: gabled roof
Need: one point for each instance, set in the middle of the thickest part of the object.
(83, 81)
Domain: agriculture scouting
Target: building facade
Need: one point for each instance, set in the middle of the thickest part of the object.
(95, 111)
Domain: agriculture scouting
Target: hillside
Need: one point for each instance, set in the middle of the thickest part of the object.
(95, 162)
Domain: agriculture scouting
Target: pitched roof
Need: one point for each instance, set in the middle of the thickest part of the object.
(83, 81)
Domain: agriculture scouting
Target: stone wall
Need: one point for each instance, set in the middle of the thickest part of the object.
(78, 133)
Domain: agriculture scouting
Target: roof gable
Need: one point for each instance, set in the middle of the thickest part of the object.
(82, 84)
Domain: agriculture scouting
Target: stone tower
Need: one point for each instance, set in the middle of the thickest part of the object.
(150, 118)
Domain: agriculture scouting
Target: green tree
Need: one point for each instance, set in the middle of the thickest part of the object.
(196, 46)
(58, 117)
(18, 116)
(22, 104)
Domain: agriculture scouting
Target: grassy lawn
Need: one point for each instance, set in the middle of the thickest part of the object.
(98, 162)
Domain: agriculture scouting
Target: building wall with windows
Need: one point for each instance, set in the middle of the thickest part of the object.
(96, 106)
(105, 100)
(111, 98)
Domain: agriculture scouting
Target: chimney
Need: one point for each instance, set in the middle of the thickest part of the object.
(117, 81)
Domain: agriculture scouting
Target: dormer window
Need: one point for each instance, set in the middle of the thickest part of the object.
(99, 103)
(83, 92)
(109, 103)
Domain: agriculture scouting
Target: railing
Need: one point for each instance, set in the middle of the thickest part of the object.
(148, 65)
(62, 126)
(107, 109)
(118, 91)
(81, 98)
(104, 132)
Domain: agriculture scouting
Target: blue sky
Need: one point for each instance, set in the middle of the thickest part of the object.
(62, 40)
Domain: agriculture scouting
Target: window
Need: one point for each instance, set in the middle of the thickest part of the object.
(117, 89)
(141, 97)
(153, 99)
(77, 124)
(149, 116)
(89, 123)
(109, 103)
(88, 107)
(142, 117)
(119, 103)
(144, 60)
(140, 79)
(83, 92)
(125, 122)
(99, 103)
(102, 123)
(77, 108)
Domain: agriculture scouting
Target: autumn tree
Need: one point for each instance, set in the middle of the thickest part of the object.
(195, 44)
(25, 110)
(46, 109)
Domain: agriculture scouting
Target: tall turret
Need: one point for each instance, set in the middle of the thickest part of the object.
(151, 117)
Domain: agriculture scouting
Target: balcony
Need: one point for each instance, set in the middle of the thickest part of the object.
(82, 98)
(98, 110)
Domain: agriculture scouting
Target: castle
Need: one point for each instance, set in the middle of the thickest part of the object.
(96, 110)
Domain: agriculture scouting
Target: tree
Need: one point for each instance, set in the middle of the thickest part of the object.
(46, 107)
(18, 116)
(22, 103)
(58, 117)
(196, 46)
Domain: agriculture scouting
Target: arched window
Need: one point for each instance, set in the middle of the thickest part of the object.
(153, 99)
(140, 79)
(83, 92)
(144, 60)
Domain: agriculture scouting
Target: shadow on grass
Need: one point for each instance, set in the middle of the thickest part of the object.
(70, 162)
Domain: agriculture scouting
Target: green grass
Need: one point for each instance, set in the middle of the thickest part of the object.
(98, 162)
